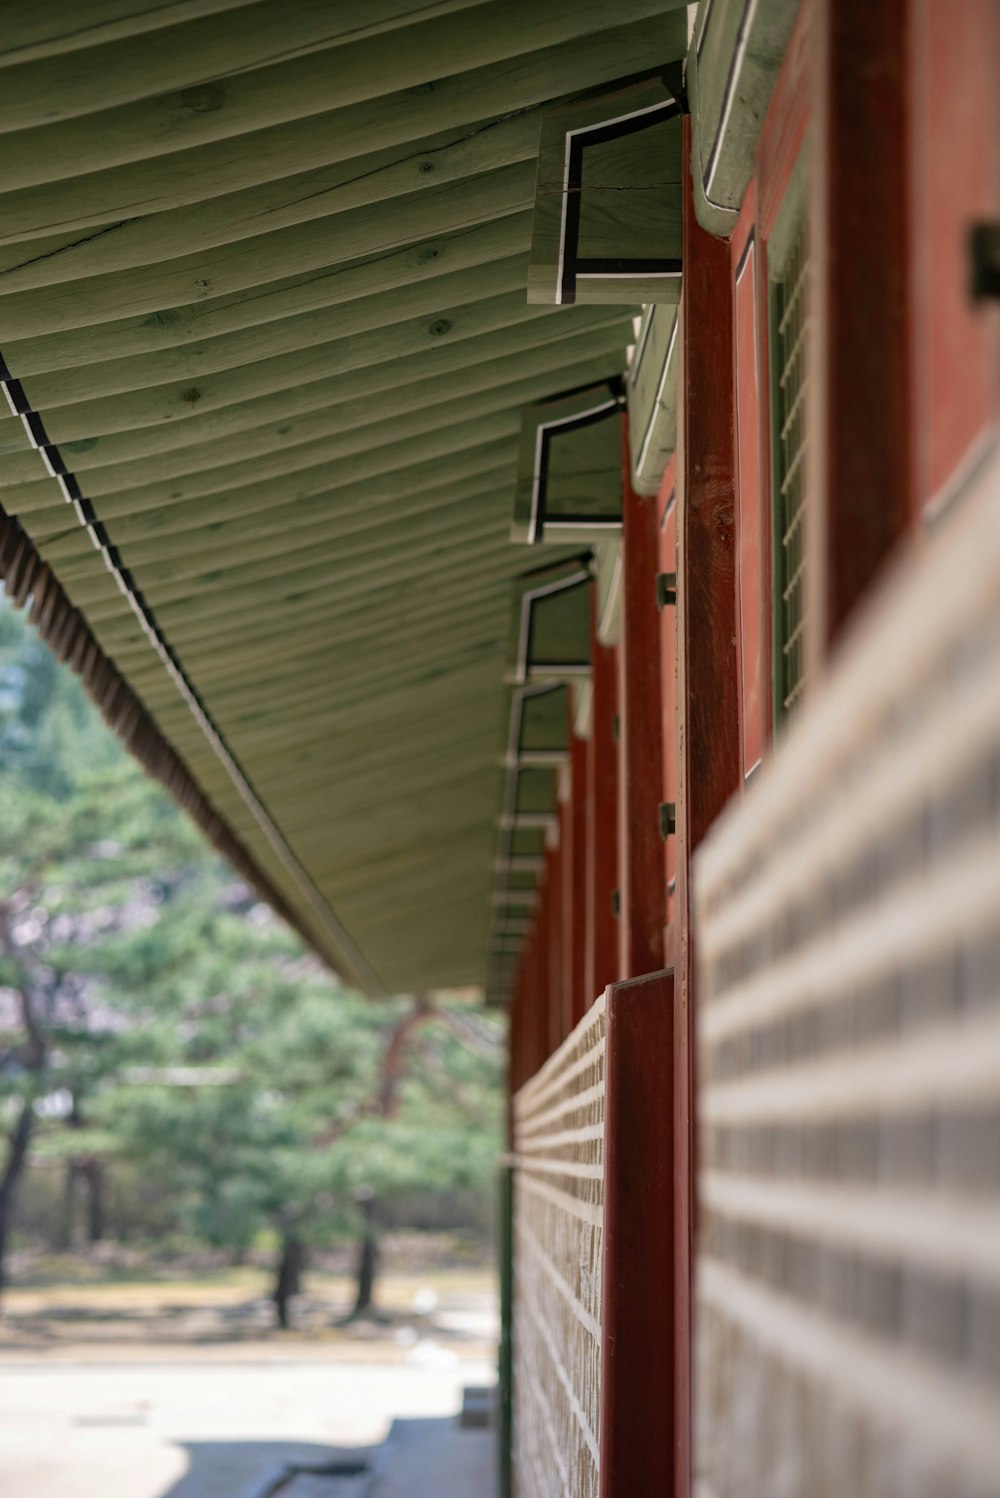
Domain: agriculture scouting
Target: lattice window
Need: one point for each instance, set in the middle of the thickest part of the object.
(788, 276)
(849, 1016)
(558, 1243)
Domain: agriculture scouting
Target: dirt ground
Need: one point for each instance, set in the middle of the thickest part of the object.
(231, 1310)
(181, 1388)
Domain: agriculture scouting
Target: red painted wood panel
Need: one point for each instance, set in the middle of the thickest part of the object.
(956, 181)
(643, 901)
(667, 525)
(638, 1322)
(602, 826)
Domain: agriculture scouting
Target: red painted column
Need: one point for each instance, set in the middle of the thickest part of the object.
(567, 855)
(861, 431)
(708, 766)
(576, 928)
(601, 966)
(553, 950)
(642, 884)
(667, 551)
(540, 982)
(637, 1318)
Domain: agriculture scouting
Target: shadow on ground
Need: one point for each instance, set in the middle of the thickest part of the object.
(269, 1469)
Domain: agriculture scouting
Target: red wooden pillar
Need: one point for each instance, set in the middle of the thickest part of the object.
(553, 950)
(580, 813)
(540, 979)
(642, 885)
(667, 544)
(567, 856)
(601, 966)
(708, 767)
(637, 1318)
(861, 457)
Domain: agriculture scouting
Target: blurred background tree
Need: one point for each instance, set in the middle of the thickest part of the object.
(159, 1024)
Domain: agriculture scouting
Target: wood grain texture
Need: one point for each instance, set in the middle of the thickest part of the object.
(709, 761)
(267, 309)
(643, 894)
(638, 1324)
(862, 492)
(602, 840)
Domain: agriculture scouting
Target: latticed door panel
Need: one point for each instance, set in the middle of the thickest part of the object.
(558, 1250)
(593, 1323)
(848, 1272)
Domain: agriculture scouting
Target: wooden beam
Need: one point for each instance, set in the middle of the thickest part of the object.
(64, 85)
(447, 67)
(643, 897)
(464, 368)
(331, 327)
(179, 401)
(59, 291)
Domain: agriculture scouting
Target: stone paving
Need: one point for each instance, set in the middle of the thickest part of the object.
(206, 1428)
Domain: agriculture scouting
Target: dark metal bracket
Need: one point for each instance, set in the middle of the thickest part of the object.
(666, 589)
(984, 257)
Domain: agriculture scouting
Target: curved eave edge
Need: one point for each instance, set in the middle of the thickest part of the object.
(28, 580)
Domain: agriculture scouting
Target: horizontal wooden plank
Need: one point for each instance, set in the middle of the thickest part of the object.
(411, 410)
(179, 401)
(302, 88)
(124, 70)
(33, 32)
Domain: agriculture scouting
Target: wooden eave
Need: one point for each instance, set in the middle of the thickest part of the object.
(266, 344)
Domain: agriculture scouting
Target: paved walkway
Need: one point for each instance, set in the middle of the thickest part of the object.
(435, 1459)
(207, 1428)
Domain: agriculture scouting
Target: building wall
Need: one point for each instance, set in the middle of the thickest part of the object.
(809, 844)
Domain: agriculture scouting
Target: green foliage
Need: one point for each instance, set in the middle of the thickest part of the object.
(186, 1035)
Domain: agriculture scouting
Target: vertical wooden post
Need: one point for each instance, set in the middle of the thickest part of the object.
(602, 826)
(553, 950)
(581, 812)
(540, 983)
(860, 465)
(708, 768)
(567, 857)
(642, 884)
(637, 1318)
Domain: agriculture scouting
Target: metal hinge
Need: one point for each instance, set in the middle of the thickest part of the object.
(666, 589)
(668, 819)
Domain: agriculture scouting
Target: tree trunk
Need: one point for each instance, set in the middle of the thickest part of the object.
(17, 1154)
(289, 1277)
(367, 1257)
(62, 1238)
(94, 1174)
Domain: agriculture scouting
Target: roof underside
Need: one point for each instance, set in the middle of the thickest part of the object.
(262, 303)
